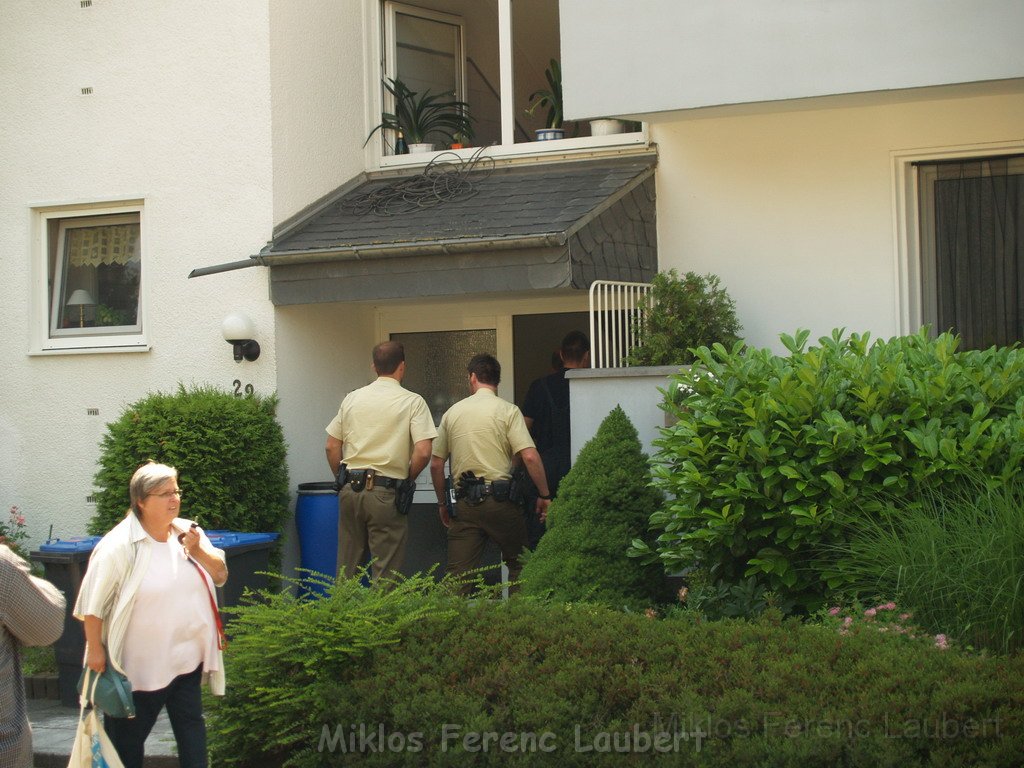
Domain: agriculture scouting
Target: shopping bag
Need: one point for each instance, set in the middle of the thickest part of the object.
(93, 748)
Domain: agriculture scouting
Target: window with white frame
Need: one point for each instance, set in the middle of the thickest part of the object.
(499, 57)
(93, 279)
(972, 248)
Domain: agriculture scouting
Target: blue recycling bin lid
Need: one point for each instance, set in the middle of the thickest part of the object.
(71, 544)
(229, 539)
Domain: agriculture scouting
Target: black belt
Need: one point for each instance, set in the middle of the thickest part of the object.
(361, 478)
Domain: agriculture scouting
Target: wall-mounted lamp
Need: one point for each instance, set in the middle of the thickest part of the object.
(239, 330)
(81, 298)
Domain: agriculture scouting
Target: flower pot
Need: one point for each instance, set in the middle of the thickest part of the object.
(549, 134)
(606, 127)
(414, 148)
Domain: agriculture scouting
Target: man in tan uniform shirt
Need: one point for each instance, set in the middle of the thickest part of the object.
(382, 433)
(483, 434)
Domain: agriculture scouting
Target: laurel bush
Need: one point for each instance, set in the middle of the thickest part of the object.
(773, 459)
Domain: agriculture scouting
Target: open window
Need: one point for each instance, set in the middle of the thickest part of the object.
(494, 55)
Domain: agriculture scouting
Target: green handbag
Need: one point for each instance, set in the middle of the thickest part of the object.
(110, 692)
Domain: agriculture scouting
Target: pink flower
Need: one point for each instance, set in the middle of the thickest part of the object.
(848, 621)
(870, 613)
(833, 611)
(941, 643)
(20, 519)
(904, 616)
(890, 606)
(650, 613)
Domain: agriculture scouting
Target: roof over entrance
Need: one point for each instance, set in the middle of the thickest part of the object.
(453, 230)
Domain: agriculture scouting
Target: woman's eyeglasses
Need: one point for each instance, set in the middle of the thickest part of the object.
(167, 494)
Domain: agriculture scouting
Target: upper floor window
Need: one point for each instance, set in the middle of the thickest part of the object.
(494, 60)
(93, 263)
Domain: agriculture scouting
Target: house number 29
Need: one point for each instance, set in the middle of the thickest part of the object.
(239, 391)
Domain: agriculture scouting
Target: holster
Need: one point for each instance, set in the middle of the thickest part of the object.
(449, 496)
(341, 478)
(403, 496)
(501, 490)
(470, 488)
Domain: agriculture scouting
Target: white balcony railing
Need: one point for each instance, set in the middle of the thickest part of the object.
(615, 316)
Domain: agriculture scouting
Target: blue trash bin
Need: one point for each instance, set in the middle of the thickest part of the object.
(247, 556)
(64, 564)
(316, 520)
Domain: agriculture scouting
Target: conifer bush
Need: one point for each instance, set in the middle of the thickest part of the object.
(773, 460)
(229, 452)
(603, 504)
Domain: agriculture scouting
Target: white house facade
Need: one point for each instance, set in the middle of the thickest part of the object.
(783, 146)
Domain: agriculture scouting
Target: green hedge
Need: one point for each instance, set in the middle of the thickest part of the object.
(773, 458)
(603, 504)
(424, 681)
(229, 452)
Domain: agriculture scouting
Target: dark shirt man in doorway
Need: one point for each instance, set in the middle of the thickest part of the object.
(546, 410)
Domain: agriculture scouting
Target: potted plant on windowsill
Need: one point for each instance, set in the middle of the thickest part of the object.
(423, 119)
(550, 97)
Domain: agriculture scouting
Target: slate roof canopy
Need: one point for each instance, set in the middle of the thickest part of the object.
(513, 228)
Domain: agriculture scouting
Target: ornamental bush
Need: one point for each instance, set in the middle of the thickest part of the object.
(229, 452)
(603, 504)
(411, 679)
(683, 313)
(774, 459)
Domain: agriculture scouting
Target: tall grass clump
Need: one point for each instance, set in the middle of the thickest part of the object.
(956, 558)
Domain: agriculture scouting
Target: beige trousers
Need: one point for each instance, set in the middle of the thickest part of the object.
(369, 523)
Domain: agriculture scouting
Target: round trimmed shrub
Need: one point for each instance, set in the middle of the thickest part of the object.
(603, 504)
(229, 452)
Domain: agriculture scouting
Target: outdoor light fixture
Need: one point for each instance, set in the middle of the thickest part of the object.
(81, 298)
(238, 330)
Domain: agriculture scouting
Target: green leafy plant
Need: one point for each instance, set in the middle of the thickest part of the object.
(682, 313)
(550, 97)
(956, 556)
(603, 504)
(774, 461)
(421, 117)
(229, 452)
(411, 679)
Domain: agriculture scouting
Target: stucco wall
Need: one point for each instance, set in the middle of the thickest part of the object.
(178, 118)
(794, 209)
(317, 87)
(660, 55)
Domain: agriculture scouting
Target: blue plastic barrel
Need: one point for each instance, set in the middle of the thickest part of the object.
(316, 520)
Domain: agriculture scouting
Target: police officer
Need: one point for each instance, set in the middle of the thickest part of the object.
(382, 435)
(483, 435)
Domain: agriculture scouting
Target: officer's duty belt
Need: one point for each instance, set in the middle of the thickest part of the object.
(368, 478)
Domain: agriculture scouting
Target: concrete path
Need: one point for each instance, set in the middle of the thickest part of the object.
(53, 734)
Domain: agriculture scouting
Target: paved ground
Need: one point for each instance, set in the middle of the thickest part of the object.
(53, 733)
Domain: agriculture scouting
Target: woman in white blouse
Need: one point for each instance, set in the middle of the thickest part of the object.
(148, 608)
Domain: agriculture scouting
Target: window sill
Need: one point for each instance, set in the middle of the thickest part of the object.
(584, 144)
(90, 347)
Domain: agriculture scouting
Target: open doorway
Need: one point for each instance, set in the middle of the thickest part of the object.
(535, 338)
